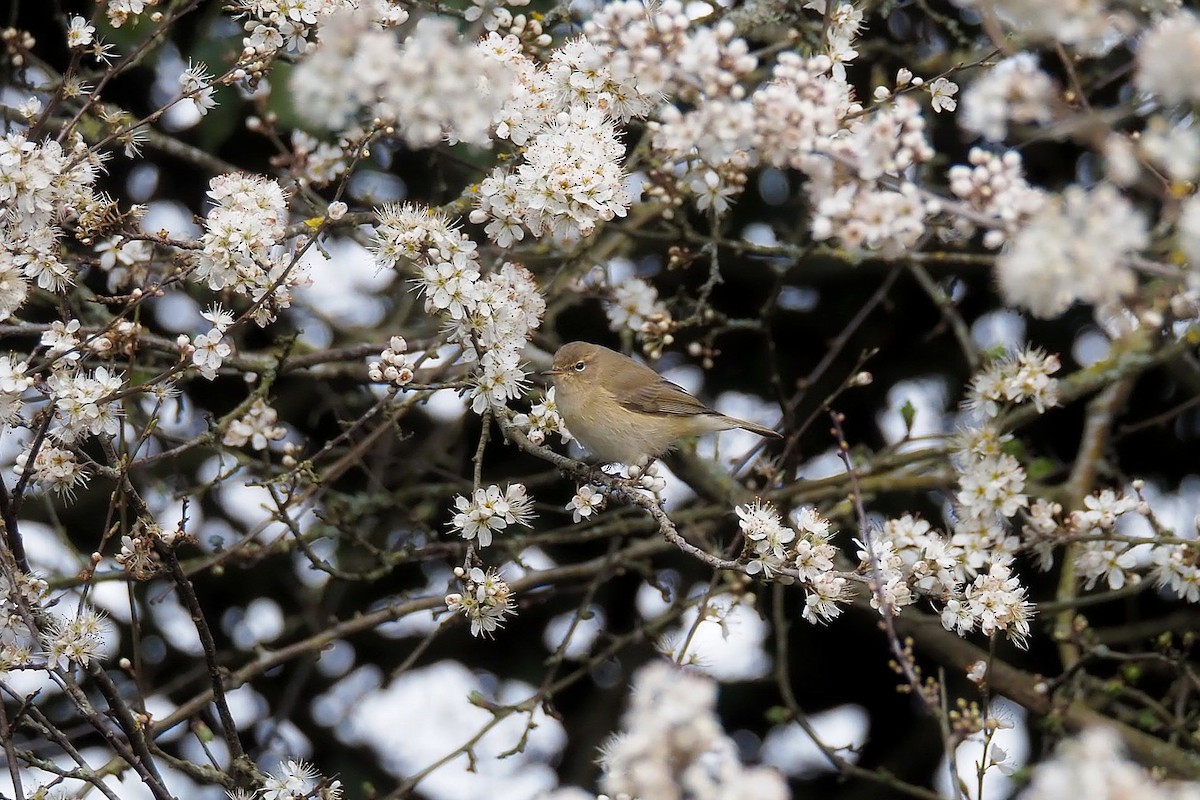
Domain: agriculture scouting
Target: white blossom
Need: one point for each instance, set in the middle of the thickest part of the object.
(486, 600)
(1168, 59)
(942, 93)
(256, 427)
(490, 510)
(1013, 91)
(393, 365)
(672, 745)
(1073, 250)
(74, 640)
(587, 501)
(543, 419)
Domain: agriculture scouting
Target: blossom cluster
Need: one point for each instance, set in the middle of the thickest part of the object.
(994, 184)
(256, 427)
(543, 419)
(1168, 59)
(209, 350)
(495, 314)
(1015, 91)
(289, 25)
(777, 550)
(139, 554)
(242, 244)
(15, 380)
(80, 402)
(17, 640)
(1094, 764)
(1075, 249)
(912, 559)
(1103, 553)
(393, 365)
(75, 639)
(634, 305)
(672, 745)
(563, 114)
(429, 85)
(570, 181)
(42, 185)
(54, 468)
(295, 779)
(1020, 377)
(490, 510)
(119, 12)
(486, 599)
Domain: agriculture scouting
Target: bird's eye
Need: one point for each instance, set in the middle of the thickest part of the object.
(579, 366)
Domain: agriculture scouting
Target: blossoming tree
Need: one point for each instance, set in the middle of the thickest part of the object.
(288, 511)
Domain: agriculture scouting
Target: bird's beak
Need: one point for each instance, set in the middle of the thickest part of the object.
(553, 371)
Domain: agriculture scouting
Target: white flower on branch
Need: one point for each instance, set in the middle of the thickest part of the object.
(993, 485)
(673, 746)
(587, 501)
(571, 180)
(450, 286)
(209, 351)
(61, 340)
(39, 181)
(80, 33)
(543, 419)
(824, 597)
(930, 562)
(138, 555)
(240, 244)
(74, 640)
(54, 468)
(121, 11)
(995, 603)
(429, 84)
(486, 600)
(256, 427)
(393, 365)
(13, 287)
(1094, 764)
(1168, 59)
(195, 84)
(1174, 147)
(500, 379)
(995, 185)
(1177, 567)
(799, 110)
(635, 306)
(79, 404)
(38, 253)
(942, 93)
(1014, 90)
(506, 310)
(713, 139)
(291, 780)
(1111, 561)
(490, 510)
(1024, 376)
(276, 24)
(14, 382)
(1074, 250)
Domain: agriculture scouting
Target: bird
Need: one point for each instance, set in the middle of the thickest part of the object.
(625, 412)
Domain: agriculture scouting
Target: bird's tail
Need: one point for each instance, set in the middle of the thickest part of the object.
(753, 427)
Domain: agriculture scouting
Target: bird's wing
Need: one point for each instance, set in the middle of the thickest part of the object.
(660, 397)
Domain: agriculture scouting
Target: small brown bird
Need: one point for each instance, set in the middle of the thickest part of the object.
(624, 411)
